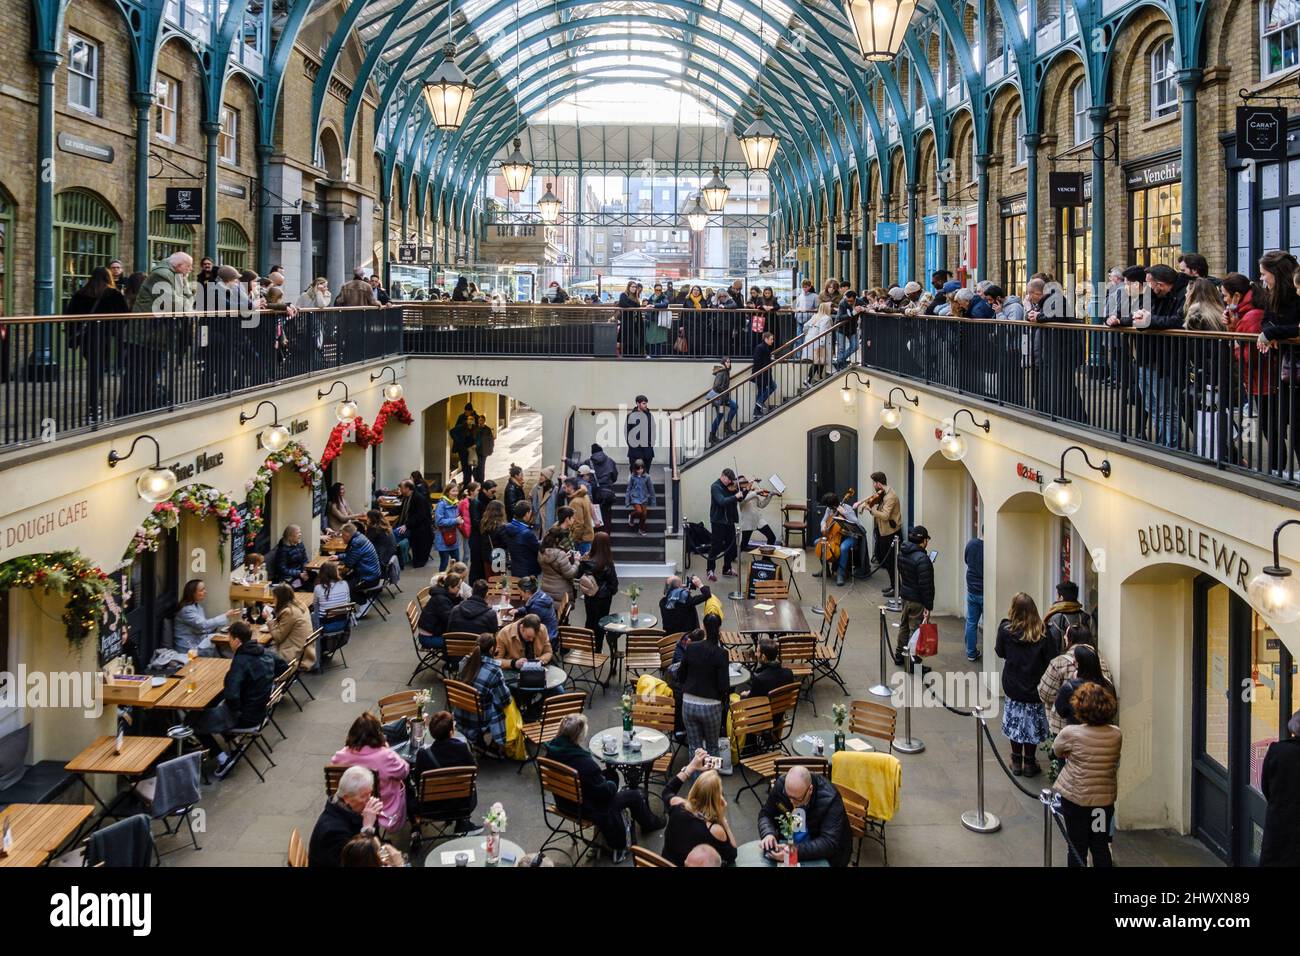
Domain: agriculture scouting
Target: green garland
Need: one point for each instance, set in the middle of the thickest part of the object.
(67, 574)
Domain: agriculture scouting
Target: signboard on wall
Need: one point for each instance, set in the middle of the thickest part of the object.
(406, 252)
(318, 496)
(426, 255)
(112, 622)
(287, 227)
(843, 242)
(184, 205)
(886, 233)
(951, 220)
(1065, 190)
(238, 540)
(1261, 133)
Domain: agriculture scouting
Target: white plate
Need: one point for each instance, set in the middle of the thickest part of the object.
(157, 681)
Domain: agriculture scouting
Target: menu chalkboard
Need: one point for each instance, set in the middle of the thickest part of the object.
(112, 623)
(238, 540)
(761, 569)
(318, 497)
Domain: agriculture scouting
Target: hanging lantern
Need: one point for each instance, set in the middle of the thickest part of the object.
(275, 438)
(448, 92)
(393, 392)
(696, 215)
(156, 484)
(516, 170)
(549, 206)
(878, 26)
(759, 143)
(346, 412)
(715, 192)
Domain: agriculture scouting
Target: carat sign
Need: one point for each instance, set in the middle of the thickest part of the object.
(1261, 133)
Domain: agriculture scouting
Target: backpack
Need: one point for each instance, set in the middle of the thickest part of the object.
(487, 444)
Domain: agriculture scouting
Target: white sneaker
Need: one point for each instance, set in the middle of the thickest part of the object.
(223, 758)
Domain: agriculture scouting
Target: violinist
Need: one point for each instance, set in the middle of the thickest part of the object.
(888, 514)
(832, 547)
(751, 519)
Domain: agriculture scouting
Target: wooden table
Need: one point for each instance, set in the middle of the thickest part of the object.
(114, 696)
(209, 675)
(333, 545)
(318, 562)
(40, 829)
(137, 756)
(261, 634)
(254, 593)
(785, 617)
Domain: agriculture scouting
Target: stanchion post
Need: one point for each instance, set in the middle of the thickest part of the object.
(978, 820)
(820, 609)
(1050, 800)
(909, 744)
(739, 593)
(882, 688)
(896, 602)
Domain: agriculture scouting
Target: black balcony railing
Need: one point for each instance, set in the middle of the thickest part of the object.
(63, 376)
(1211, 396)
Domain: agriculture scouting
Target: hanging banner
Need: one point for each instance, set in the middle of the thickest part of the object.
(426, 255)
(406, 252)
(951, 221)
(1065, 190)
(843, 242)
(184, 205)
(886, 233)
(287, 227)
(1261, 133)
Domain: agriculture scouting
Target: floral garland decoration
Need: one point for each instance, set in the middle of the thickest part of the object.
(293, 455)
(388, 410)
(199, 500)
(361, 433)
(65, 573)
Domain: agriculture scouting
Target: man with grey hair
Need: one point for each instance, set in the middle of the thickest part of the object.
(603, 803)
(703, 855)
(353, 809)
(1280, 782)
(357, 292)
(146, 342)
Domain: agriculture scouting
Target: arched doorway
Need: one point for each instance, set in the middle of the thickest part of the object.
(516, 429)
(1037, 551)
(832, 462)
(890, 454)
(952, 511)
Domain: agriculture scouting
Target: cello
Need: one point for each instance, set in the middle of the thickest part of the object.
(829, 544)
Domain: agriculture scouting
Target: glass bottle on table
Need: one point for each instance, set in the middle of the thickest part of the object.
(192, 683)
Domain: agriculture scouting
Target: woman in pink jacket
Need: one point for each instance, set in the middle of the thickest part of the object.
(367, 747)
(470, 492)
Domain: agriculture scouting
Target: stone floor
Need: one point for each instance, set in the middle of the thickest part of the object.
(247, 823)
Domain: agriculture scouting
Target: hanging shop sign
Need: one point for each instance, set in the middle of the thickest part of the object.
(1017, 206)
(886, 233)
(1065, 190)
(1261, 133)
(84, 147)
(406, 252)
(426, 255)
(184, 205)
(232, 189)
(1196, 544)
(843, 242)
(287, 227)
(952, 220)
(1154, 174)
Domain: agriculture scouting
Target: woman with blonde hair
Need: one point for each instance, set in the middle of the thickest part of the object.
(698, 818)
(1020, 643)
(291, 628)
(817, 348)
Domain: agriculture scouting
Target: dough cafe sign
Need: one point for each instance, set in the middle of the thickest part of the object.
(29, 529)
(1200, 546)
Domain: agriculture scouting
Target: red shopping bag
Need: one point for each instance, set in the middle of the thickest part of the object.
(926, 638)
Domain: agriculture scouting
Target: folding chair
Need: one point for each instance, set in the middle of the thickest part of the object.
(826, 660)
(797, 653)
(172, 792)
(855, 808)
(297, 852)
(457, 645)
(641, 857)
(870, 719)
(282, 685)
(561, 786)
(126, 843)
(421, 596)
(819, 765)
(373, 597)
(464, 698)
(401, 704)
(543, 730)
(828, 617)
(777, 589)
(751, 718)
(783, 702)
(392, 575)
(643, 653)
(242, 738)
(334, 773)
(426, 658)
(657, 713)
(581, 659)
(562, 612)
(298, 669)
(443, 797)
(336, 631)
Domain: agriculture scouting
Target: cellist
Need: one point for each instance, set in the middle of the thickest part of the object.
(830, 547)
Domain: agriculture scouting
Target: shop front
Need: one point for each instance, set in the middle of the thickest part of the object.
(1155, 203)
(1074, 240)
(1263, 204)
(1013, 212)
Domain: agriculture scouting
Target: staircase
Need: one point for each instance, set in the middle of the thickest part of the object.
(629, 547)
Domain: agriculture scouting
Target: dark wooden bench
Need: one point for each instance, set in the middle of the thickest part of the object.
(41, 783)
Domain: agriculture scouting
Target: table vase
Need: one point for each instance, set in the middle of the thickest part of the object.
(493, 847)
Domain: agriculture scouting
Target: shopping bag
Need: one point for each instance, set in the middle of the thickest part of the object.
(925, 639)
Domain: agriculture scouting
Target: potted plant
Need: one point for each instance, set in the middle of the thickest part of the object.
(839, 713)
(633, 593)
(495, 824)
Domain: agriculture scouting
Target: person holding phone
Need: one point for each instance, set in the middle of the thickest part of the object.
(822, 831)
(701, 816)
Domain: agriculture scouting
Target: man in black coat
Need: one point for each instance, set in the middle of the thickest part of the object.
(639, 432)
(435, 615)
(247, 689)
(724, 514)
(604, 477)
(770, 672)
(678, 608)
(478, 553)
(761, 367)
(472, 615)
(825, 826)
(1280, 781)
(352, 810)
(419, 523)
(915, 586)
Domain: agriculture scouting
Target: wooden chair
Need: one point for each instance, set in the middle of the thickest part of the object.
(421, 596)
(871, 719)
(783, 702)
(562, 787)
(443, 797)
(641, 857)
(826, 661)
(798, 651)
(543, 730)
(828, 617)
(777, 589)
(751, 718)
(464, 699)
(562, 612)
(401, 704)
(581, 658)
(336, 631)
(426, 658)
(855, 808)
(297, 852)
(657, 713)
(794, 520)
(644, 653)
(279, 687)
(819, 765)
(413, 609)
(457, 645)
(334, 773)
(312, 642)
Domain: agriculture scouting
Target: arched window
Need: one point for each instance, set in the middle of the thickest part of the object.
(86, 232)
(232, 244)
(1279, 36)
(168, 237)
(6, 252)
(1164, 88)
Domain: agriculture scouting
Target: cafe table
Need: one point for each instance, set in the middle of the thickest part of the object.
(475, 848)
(738, 674)
(555, 677)
(618, 625)
(137, 756)
(333, 545)
(804, 745)
(38, 830)
(773, 617)
(208, 683)
(221, 640)
(318, 562)
(261, 594)
(751, 854)
(633, 764)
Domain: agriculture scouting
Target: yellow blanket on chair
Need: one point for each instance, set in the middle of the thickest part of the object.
(515, 749)
(877, 776)
(647, 686)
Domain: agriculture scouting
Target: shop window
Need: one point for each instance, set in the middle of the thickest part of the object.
(6, 254)
(168, 237)
(1157, 224)
(1014, 260)
(1021, 152)
(1164, 88)
(228, 138)
(86, 236)
(232, 244)
(1279, 36)
(1082, 126)
(83, 74)
(166, 100)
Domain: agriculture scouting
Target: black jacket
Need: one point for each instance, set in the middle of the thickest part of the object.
(597, 789)
(437, 610)
(286, 561)
(915, 575)
(1025, 663)
(337, 824)
(829, 836)
(248, 683)
(768, 677)
(472, 616)
(513, 495)
(1167, 309)
(1282, 325)
(724, 508)
(605, 470)
(419, 516)
(522, 549)
(385, 544)
(1280, 782)
(703, 672)
(607, 580)
(685, 616)
(441, 754)
(762, 360)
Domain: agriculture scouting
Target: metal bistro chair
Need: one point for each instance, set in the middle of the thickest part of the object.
(456, 646)
(400, 704)
(427, 658)
(173, 791)
(855, 808)
(784, 703)
(561, 784)
(751, 718)
(373, 597)
(797, 653)
(243, 738)
(543, 730)
(336, 631)
(581, 659)
(313, 641)
(657, 713)
(826, 661)
(643, 653)
(828, 617)
(775, 589)
(279, 688)
(465, 699)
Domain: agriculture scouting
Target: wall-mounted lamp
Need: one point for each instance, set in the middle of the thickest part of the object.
(846, 392)
(275, 437)
(393, 390)
(1063, 496)
(346, 410)
(891, 415)
(157, 483)
(953, 443)
(1273, 590)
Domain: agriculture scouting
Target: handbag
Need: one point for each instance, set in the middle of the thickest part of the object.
(926, 638)
(588, 586)
(448, 536)
(758, 322)
(681, 347)
(532, 676)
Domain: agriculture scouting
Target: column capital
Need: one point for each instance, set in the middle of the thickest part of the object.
(1099, 114)
(1190, 77)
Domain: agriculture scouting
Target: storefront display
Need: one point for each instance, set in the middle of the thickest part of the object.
(1014, 273)
(1155, 211)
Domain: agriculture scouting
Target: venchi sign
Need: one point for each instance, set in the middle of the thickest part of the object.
(1198, 545)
